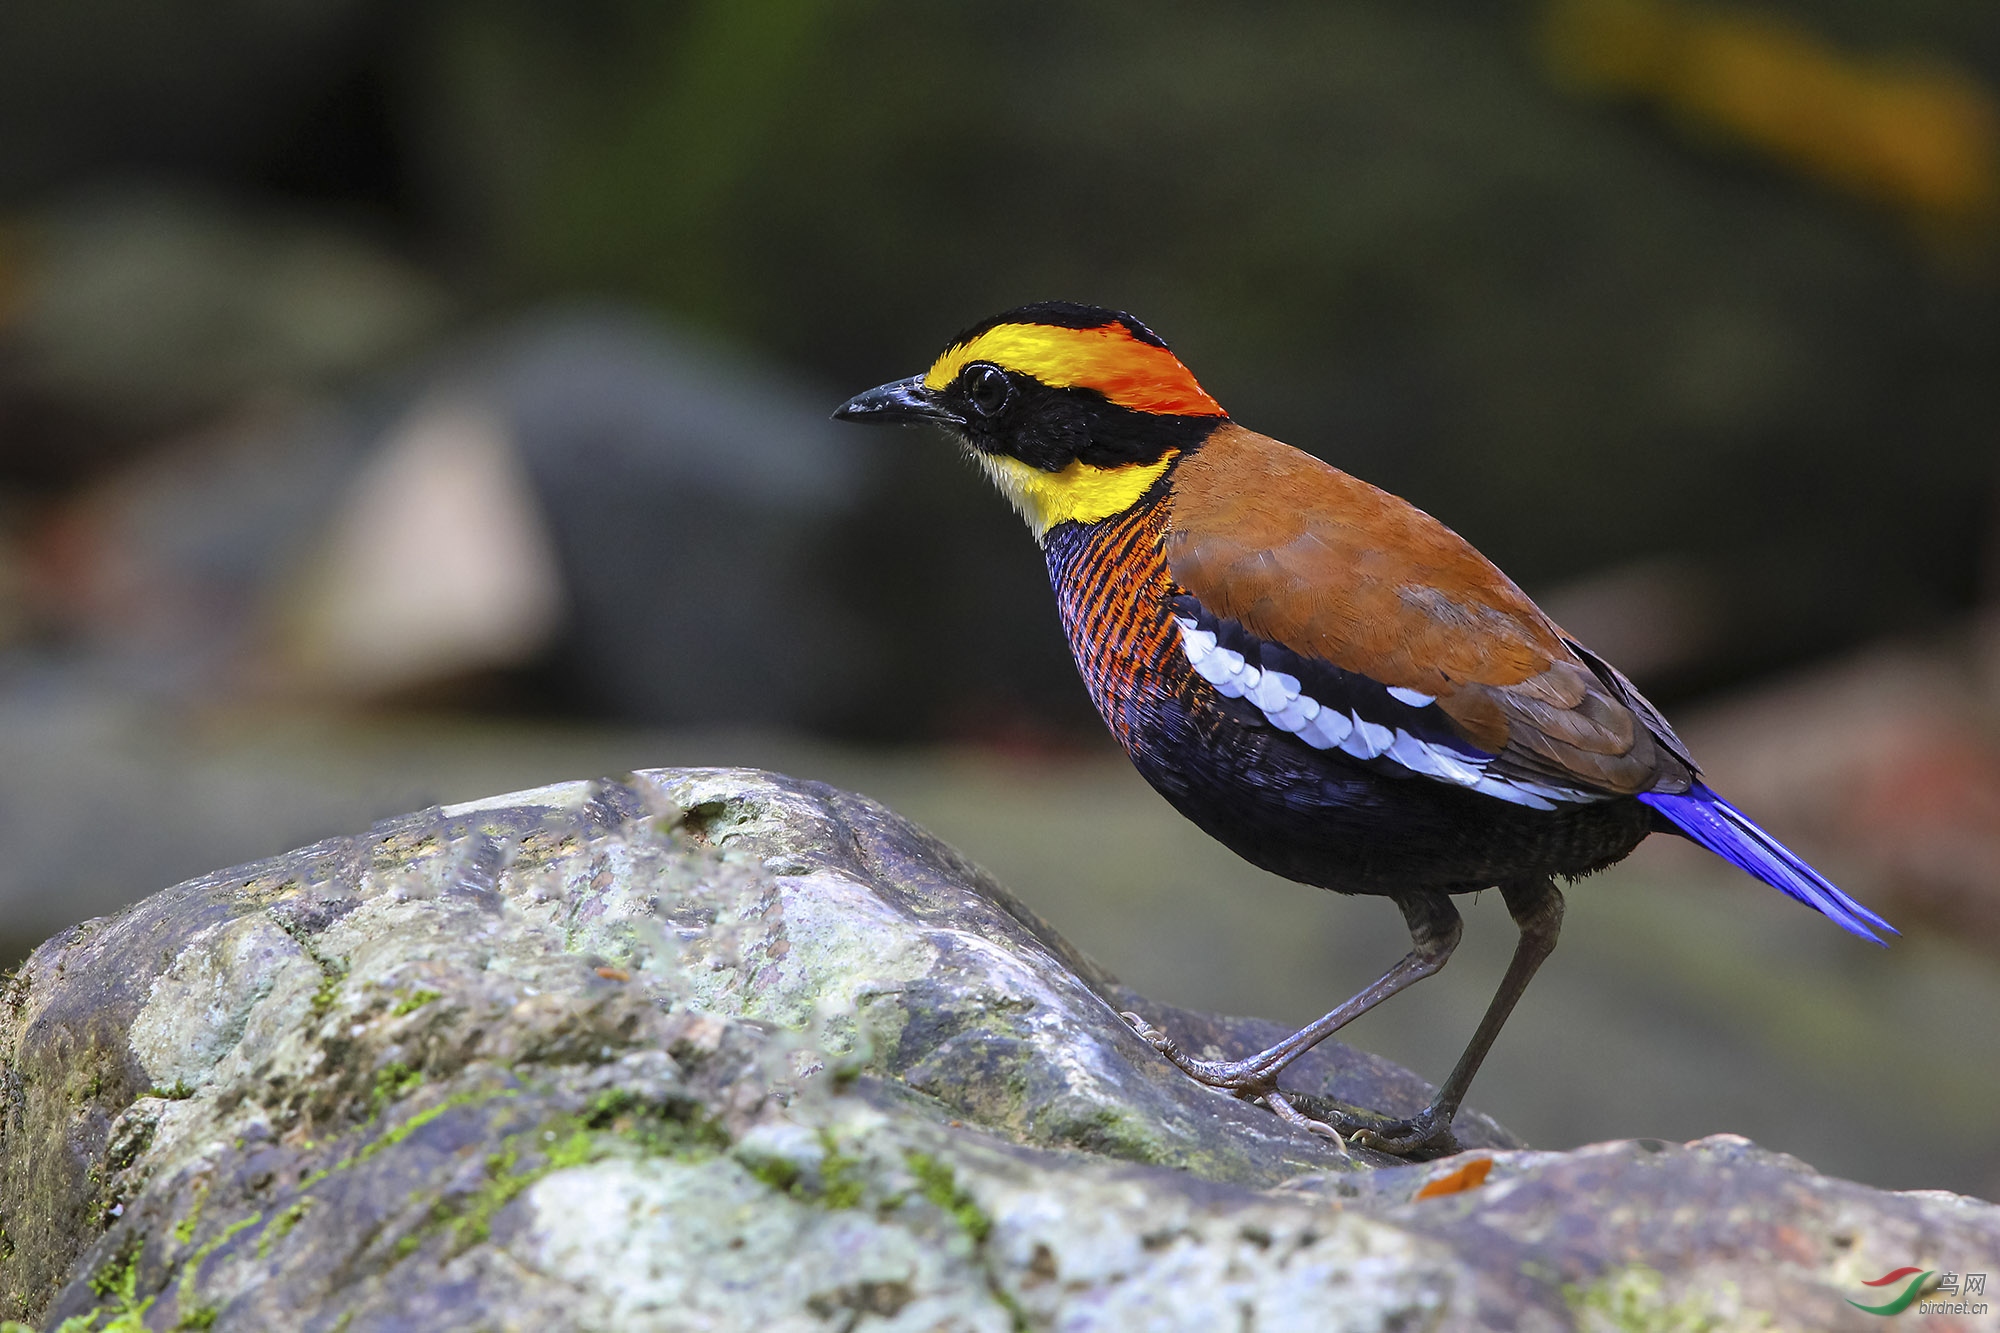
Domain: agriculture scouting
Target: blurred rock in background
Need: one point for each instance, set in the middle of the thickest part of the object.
(398, 403)
(436, 564)
(132, 311)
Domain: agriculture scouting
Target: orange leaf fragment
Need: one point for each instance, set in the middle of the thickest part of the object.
(1470, 1176)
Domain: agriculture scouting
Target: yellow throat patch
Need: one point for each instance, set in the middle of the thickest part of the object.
(1079, 493)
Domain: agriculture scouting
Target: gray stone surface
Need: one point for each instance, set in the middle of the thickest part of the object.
(713, 1049)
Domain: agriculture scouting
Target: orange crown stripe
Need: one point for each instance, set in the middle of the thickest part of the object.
(1110, 360)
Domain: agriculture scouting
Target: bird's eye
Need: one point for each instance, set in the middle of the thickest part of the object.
(987, 389)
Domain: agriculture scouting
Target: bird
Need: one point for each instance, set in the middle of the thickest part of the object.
(1320, 675)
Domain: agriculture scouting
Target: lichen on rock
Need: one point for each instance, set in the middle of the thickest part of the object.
(718, 1049)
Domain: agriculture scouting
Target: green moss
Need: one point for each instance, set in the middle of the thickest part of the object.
(393, 1082)
(184, 1229)
(561, 1145)
(840, 1179)
(328, 993)
(116, 1285)
(281, 1226)
(837, 1184)
(121, 1274)
(179, 1092)
(505, 1181)
(576, 1148)
(655, 1130)
(291, 1217)
(1114, 1132)
(414, 1001)
(608, 1106)
(201, 1316)
(332, 970)
(612, 1122)
(939, 1184)
(424, 1117)
(1017, 1317)
(191, 1270)
(227, 1234)
(1634, 1300)
(468, 1218)
(78, 1323)
(395, 1136)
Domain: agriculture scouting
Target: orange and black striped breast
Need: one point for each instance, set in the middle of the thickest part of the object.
(1320, 816)
(1113, 591)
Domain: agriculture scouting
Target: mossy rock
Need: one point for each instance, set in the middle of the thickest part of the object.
(719, 1049)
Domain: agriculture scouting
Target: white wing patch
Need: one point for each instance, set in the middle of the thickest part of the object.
(1279, 697)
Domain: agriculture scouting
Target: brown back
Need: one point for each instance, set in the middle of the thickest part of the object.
(1306, 556)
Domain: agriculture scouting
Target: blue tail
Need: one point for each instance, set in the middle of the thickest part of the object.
(1728, 832)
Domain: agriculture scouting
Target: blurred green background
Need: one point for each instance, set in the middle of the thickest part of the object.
(399, 402)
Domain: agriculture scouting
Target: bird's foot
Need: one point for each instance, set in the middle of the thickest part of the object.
(1242, 1078)
(1428, 1132)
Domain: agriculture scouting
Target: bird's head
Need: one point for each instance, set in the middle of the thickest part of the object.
(1073, 411)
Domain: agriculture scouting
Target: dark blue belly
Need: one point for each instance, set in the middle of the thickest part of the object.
(1322, 818)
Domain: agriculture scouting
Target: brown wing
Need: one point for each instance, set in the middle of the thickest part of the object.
(1330, 567)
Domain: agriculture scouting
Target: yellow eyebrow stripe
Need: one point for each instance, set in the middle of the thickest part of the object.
(1127, 371)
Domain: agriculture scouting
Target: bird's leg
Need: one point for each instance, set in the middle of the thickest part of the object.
(1434, 932)
(1537, 908)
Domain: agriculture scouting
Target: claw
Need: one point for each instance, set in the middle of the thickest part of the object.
(1139, 1025)
(1253, 1080)
(1425, 1132)
(1154, 1038)
(1291, 1115)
